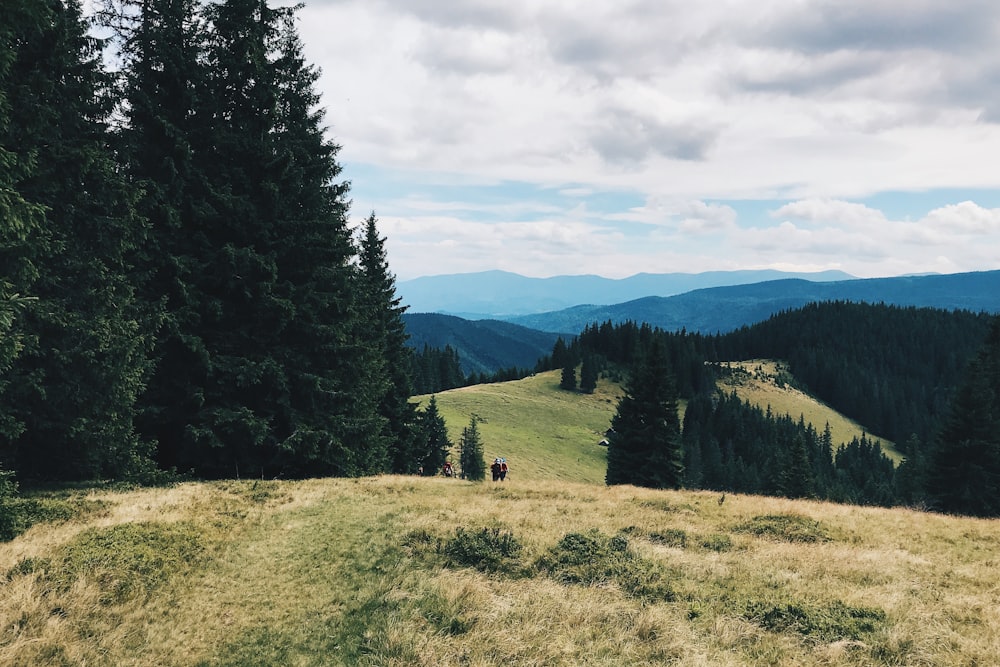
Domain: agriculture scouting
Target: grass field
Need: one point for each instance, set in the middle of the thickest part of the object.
(543, 431)
(551, 433)
(548, 568)
(432, 571)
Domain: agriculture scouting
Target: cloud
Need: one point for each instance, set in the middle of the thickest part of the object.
(830, 212)
(627, 137)
(746, 134)
(964, 218)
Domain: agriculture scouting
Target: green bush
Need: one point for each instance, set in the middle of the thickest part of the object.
(487, 549)
(672, 537)
(716, 542)
(786, 527)
(593, 558)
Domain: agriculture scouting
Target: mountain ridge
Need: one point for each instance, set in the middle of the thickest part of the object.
(722, 309)
(498, 294)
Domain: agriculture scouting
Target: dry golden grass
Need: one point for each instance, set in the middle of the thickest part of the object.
(344, 572)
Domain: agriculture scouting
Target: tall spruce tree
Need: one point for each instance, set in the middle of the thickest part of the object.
(387, 332)
(263, 361)
(19, 218)
(470, 447)
(588, 373)
(434, 447)
(74, 387)
(964, 472)
(160, 44)
(289, 386)
(644, 446)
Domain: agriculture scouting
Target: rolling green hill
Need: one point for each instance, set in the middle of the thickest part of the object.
(547, 433)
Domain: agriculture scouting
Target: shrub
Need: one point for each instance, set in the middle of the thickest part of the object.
(672, 537)
(717, 542)
(593, 558)
(786, 527)
(11, 523)
(487, 549)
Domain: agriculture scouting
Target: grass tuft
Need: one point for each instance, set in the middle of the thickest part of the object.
(831, 622)
(785, 527)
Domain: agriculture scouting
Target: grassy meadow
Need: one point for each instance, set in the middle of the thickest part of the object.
(549, 568)
(432, 571)
(543, 431)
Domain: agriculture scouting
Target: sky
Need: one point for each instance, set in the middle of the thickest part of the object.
(613, 137)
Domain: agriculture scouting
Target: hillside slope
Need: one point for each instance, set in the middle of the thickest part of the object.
(483, 346)
(767, 383)
(432, 571)
(547, 433)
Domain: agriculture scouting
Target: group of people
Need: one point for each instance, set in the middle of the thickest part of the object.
(499, 469)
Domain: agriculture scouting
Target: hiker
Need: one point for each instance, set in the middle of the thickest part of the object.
(503, 469)
(448, 471)
(495, 469)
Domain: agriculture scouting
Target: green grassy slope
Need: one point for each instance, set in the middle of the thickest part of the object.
(544, 432)
(549, 433)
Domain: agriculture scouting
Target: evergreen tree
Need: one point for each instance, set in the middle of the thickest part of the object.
(387, 331)
(435, 447)
(19, 218)
(75, 385)
(161, 43)
(964, 473)
(470, 447)
(645, 443)
(795, 479)
(588, 374)
(568, 380)
(265, 365)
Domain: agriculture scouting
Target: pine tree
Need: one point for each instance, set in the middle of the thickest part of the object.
(964, 472)
(645, 443)
(568, 380)
(19, 218)
(435, 447)
(795, 479)
(161, 43)
(471, 461)
(387, 331)
(75, 385)
(588, 374)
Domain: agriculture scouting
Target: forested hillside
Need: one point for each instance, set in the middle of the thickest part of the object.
(483, 346)
(899, 368)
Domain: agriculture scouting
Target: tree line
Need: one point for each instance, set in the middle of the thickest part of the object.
(181, 288)
(931, 378)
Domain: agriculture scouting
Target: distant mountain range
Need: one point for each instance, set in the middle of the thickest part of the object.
(489, 345)
(723, 309)
(502, 295)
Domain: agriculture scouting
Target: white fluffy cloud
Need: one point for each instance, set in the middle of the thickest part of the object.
(815, 106)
